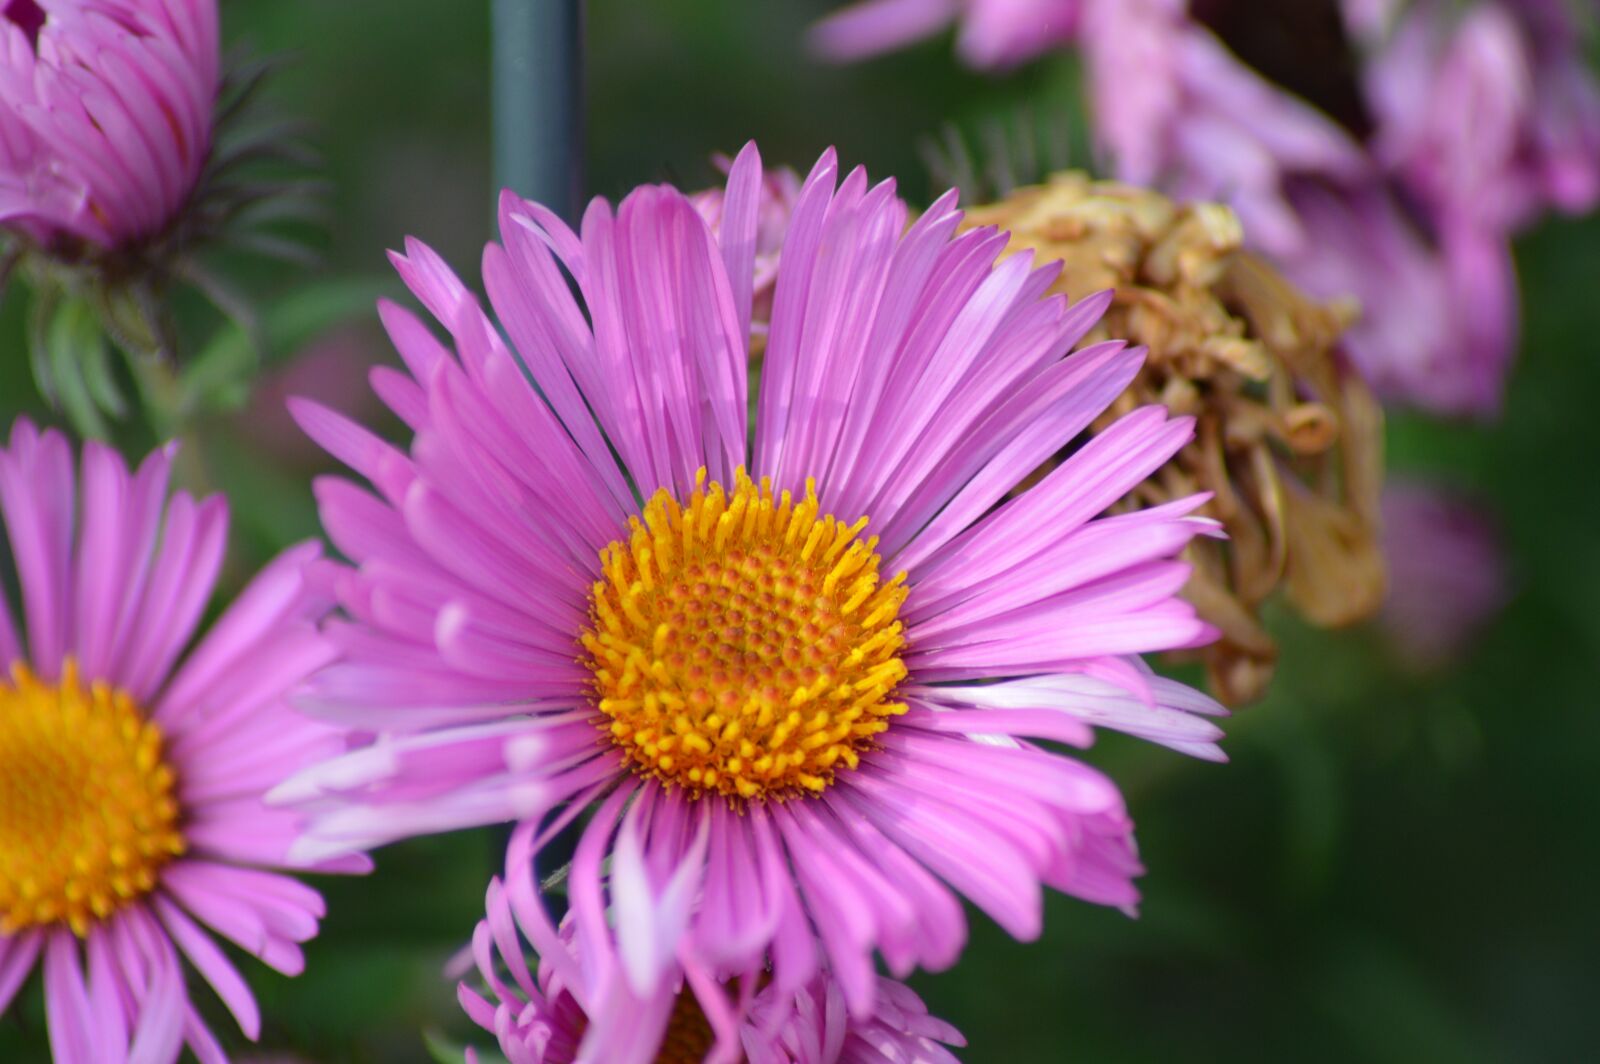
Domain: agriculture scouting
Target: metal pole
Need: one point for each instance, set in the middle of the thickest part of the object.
(538, 153)
(538, 101)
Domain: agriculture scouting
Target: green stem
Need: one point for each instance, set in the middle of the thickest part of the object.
(170, 418)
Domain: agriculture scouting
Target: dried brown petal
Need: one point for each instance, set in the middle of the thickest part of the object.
(1288, 440)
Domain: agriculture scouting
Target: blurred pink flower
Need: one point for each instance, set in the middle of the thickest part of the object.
(1491, 115)
(993, 33)
(1483, 120)
(105, 115)
(1447, 572)
(1451, 102)
(1439, 314)
(1458, 127)
(1174, 108)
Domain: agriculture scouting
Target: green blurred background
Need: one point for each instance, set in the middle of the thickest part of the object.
(1393, 867)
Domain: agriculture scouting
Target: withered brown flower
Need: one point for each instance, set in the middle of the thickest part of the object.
(1287, 437)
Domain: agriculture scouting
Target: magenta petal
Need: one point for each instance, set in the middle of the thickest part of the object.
(17, 956)
(74, 1035)
(871, 26)
(218, 971)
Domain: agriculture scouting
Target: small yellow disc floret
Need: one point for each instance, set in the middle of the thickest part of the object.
(744, 644)
(87, 811)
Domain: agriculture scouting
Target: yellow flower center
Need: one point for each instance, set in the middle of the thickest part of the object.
(744, 644)
(87, 811)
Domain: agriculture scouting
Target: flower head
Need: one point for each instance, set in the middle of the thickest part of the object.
(1288, 442)
(1490, 114)
(577, 1004)
(105, 115)
(1373, 149)
(1466, 106)
(791, 660)
(1200, 124)
(1483, 120)
(125, 152)
(131, 773)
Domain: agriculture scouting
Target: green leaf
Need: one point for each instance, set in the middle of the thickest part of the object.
(101, 380)
(41, 309)
(131, 316)
(73, 341)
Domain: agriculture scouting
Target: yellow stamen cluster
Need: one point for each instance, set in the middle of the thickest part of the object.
(744, 644)
(87, 811)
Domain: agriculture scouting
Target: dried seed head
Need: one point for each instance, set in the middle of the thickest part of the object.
(1287, 439)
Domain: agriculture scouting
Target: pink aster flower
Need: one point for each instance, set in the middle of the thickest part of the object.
(1414, 220)
(131, 773)
(1173, 107)
(618, 588)
(1490, 115)
(1480, 122)
(993, 33)
(1483, 119)
(577, 1004)
(1447, 572)
(105, 115)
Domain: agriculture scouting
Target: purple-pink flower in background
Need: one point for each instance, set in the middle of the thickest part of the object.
(1489, 114)
(993, 33)
(1482, 119)
(1399, 149)
(1171, 106)
(1438, 321)
(577, 1004)
(105, 115)
(1447, 572)
(620, 590)
(132, 773)
(333, 366)
(1174, 109)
